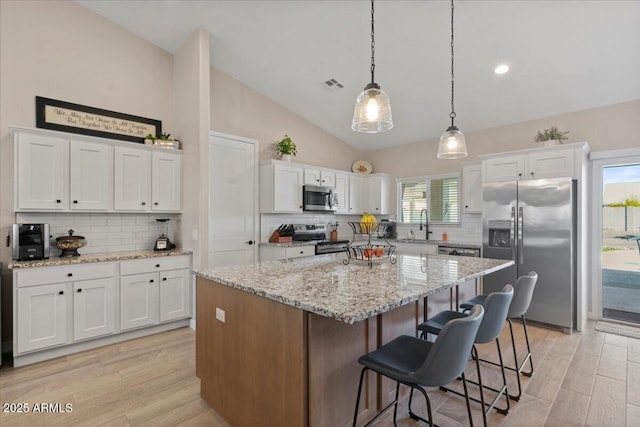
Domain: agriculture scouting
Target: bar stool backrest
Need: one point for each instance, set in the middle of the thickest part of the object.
(450, 352)
(522, 294)
(496, 307)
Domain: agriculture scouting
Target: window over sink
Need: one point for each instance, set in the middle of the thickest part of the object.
(439, 194)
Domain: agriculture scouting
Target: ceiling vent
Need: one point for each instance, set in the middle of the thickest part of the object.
(333, 85)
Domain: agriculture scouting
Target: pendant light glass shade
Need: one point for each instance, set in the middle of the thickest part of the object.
(452, 144)
(372, 113)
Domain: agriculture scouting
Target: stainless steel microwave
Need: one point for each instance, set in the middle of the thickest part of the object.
(315, 198)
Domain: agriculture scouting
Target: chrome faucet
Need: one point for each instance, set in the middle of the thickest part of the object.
(426, 223)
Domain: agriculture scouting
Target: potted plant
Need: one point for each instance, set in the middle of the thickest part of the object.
(551, 136)
(149, 139)
(286, 148)
(164, 140)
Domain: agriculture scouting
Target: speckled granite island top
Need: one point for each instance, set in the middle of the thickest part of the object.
(84, 259)
(350, 293)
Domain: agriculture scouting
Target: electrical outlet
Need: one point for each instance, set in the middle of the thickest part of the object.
(220, 314)
(194, 234)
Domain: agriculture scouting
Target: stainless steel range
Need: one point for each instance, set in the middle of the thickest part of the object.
(317, 233)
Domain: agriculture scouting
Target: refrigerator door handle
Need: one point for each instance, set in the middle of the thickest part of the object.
(520, 235)
(512, 233)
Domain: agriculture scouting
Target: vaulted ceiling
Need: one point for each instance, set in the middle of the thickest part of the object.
(564, 56)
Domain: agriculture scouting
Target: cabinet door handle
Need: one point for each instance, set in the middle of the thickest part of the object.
(58, 201)
(155, 203)
(519, 174)
(164, 279)
(69, 274)
(61, 293)
(151, 281)
(466, 206)
(144, 203)
(250, 242)
(531, 173)
(301, 252)
(157, 265)
(80, 290)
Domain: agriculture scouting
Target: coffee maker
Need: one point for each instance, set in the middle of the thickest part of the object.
(30, 242)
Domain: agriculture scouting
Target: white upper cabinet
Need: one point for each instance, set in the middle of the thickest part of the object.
(90, 176)
(378, 197)
(42, 179)
(132, 169)
(472, 189)
(56, 171)
(342, 188)
(166, 179)
(281, 187)
(320, 177)
(549, 162)
(358, 194)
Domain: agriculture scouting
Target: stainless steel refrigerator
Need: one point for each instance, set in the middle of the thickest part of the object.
(533, 222)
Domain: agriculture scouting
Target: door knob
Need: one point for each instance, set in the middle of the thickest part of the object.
(250, 242)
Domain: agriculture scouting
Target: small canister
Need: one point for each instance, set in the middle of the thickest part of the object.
(445, 237)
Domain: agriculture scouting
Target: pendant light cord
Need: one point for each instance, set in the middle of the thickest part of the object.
(373, 43)
(453, 111)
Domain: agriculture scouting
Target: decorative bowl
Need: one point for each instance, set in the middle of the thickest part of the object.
(70, 244)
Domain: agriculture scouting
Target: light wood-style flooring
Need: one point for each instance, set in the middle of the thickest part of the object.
(585, 379)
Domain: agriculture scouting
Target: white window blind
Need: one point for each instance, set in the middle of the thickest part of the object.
(439, 195)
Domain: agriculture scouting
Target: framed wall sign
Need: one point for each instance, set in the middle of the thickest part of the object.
(67, 117)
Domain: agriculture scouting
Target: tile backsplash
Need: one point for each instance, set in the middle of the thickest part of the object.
(105, 232)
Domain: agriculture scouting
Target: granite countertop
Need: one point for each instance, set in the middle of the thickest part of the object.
(350, 293)
(84, 259)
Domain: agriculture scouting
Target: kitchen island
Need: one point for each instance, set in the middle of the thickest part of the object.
(277, 342)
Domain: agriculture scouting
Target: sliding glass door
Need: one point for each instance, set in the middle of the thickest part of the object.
(620, 257)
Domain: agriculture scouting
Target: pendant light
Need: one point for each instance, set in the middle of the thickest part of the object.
(373, 110)
(452, 143)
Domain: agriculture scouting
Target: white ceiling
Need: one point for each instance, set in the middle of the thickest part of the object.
(564, 56)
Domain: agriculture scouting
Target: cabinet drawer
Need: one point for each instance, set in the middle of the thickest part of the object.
(299, 251)
(153, 264)
(64, 273)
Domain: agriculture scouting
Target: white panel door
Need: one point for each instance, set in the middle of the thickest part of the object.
(311, 176)
(132, 179)
(342, 188)
(93, 308)
(175, 295)
(91, 175)
(507, 168)
(42, 317)
(233, 199)
(42, 172)
(138, 300)
(550, 164)
(166, 181)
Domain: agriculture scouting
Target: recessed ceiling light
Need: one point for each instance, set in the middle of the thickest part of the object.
(501, 69)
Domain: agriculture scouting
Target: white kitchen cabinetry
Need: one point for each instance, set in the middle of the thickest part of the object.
(472, 189)
(378, 197)
(342, 188)
(132, 168)
(321, 177)
(41, 318)
(42, 180)
(93, 308)
(281, 187)
(61, 172)
(358, 194)
(153, 290)
(273, 252)
(90, 176)
(166, 180)
(548, 162)
(46, 310)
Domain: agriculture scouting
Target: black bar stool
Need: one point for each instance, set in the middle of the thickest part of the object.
(519, 306)
(418, 363)
(496, 307)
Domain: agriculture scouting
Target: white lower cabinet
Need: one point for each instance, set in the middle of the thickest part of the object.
(273, 252)
(138, 300)
(93, 308)
(88, 304)
(41, 320)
